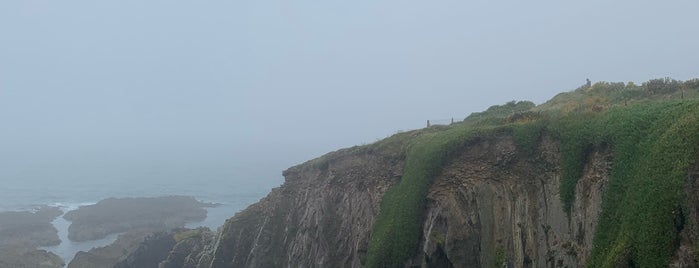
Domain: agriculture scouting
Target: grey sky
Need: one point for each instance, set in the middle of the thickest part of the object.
(135, 88)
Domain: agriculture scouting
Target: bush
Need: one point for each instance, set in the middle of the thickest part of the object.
(691, 84)
(502, 111)
(662, 86)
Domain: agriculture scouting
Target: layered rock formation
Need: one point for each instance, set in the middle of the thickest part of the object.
(492, 205)
(321, 216)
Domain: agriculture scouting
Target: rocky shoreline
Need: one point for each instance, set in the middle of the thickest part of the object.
(22, 233)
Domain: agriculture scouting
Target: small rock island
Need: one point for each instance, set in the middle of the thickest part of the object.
(118, 215)
(22, 232)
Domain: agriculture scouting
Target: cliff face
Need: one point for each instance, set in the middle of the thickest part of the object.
(490, 206)
(320, 217)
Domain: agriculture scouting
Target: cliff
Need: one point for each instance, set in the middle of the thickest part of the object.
(493, 207)
(488, 206)
(321, 216)
(597, 185)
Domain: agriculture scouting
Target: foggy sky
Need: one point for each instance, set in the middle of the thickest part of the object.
(199, 89)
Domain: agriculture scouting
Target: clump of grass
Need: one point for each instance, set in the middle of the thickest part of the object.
(499, 112)
(499, 257)
(527, 134)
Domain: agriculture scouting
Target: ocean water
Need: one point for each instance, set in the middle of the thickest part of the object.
(232, 195)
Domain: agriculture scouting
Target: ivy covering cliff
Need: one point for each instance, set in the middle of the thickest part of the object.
(653, 130)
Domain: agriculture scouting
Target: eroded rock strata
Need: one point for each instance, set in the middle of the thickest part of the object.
(491, 205)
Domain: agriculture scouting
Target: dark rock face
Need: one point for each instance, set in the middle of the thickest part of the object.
(33, 229)
(320, 217)
(114, 215)
(150, 252)
(491, 206)
(192, 249)
(110, 255)
(142, 248)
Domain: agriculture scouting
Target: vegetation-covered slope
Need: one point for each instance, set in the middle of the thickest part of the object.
(654, 145)
(653, 130)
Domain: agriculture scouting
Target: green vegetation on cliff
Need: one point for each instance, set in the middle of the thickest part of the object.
(396, 232)
(653, 130)
(654, 145)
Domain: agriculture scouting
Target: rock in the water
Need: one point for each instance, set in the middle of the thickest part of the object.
(32, 229)
(150, 252)
(175, 248)
(110, 255)
(117, 215)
